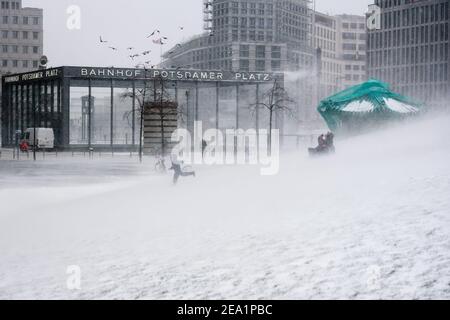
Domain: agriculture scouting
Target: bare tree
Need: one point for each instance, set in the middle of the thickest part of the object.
(162, 109)
(142, 95)
(275, 101)
(153, 100)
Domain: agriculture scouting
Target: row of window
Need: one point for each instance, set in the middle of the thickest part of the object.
(16, 20)
(260, 51)
(260, 65)
(353, 46)
(20, 63)
(415, 55)
(353, 25)
(14, 5)
(251, 35)
(25, 35)
(15, 49)
(410, 36)
(414, 74)
(251, 22)
(354, 67)
(353, 36)
(415, 16)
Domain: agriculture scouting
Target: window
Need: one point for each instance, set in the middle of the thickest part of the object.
(5, 63)
(276, 52)
(25, 34)
(15, 49)
(235, 35)
(349, 46)
(15, 63)
(35, 64)
(260, 35)
(260, 51)
(252, 35)
(260, 65)
(35, 50)
(15, 20)
(276, 65)
(15, 34)
(244, 65)
(244, 51)
(349, 35)
(35, 35)
(35, 20)
(25, 49)
(25, 63)
(5, 34)
(5, 49)
(25, 20)
(5, 20)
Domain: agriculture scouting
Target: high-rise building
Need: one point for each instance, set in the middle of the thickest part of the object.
(351, 48)
(411, 49)
(342, 43)
(257, 35)
(21, 37)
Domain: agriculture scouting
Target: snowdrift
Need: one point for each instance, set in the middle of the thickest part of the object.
(371, 222)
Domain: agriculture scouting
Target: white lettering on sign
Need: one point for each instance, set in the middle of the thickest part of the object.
(176, 75)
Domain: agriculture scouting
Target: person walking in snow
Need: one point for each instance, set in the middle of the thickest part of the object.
(178, 172)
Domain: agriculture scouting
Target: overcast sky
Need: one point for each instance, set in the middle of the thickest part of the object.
(127, 23)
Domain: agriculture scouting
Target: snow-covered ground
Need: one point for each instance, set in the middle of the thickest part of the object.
(372, 222)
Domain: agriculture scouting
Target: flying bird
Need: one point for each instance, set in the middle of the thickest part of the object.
(102, 41)
(113, 48)
(181, 28)
(130, 48)
(146, 52)
(153, 33)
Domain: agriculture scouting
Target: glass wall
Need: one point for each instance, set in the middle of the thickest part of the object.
(101, 112)
(111, 108)
(123, 115)
(247, 100)
(207, 105)
(227, 107)
(79, 115)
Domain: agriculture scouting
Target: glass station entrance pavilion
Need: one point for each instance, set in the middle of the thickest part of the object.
(96, 107)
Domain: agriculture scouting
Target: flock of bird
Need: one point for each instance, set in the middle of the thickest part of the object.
(157, 39)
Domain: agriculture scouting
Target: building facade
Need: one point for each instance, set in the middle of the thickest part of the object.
(352, 48)
(99, 107)
(342, 43)
(21, 37)
(411, 49)
(258, 35)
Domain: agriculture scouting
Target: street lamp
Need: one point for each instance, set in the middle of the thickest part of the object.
(34, 132)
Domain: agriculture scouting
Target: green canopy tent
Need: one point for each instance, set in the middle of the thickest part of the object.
(365, 106)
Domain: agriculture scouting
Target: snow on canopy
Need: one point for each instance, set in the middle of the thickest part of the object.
(365, 105)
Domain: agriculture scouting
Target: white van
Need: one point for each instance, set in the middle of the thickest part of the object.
(45, 138)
